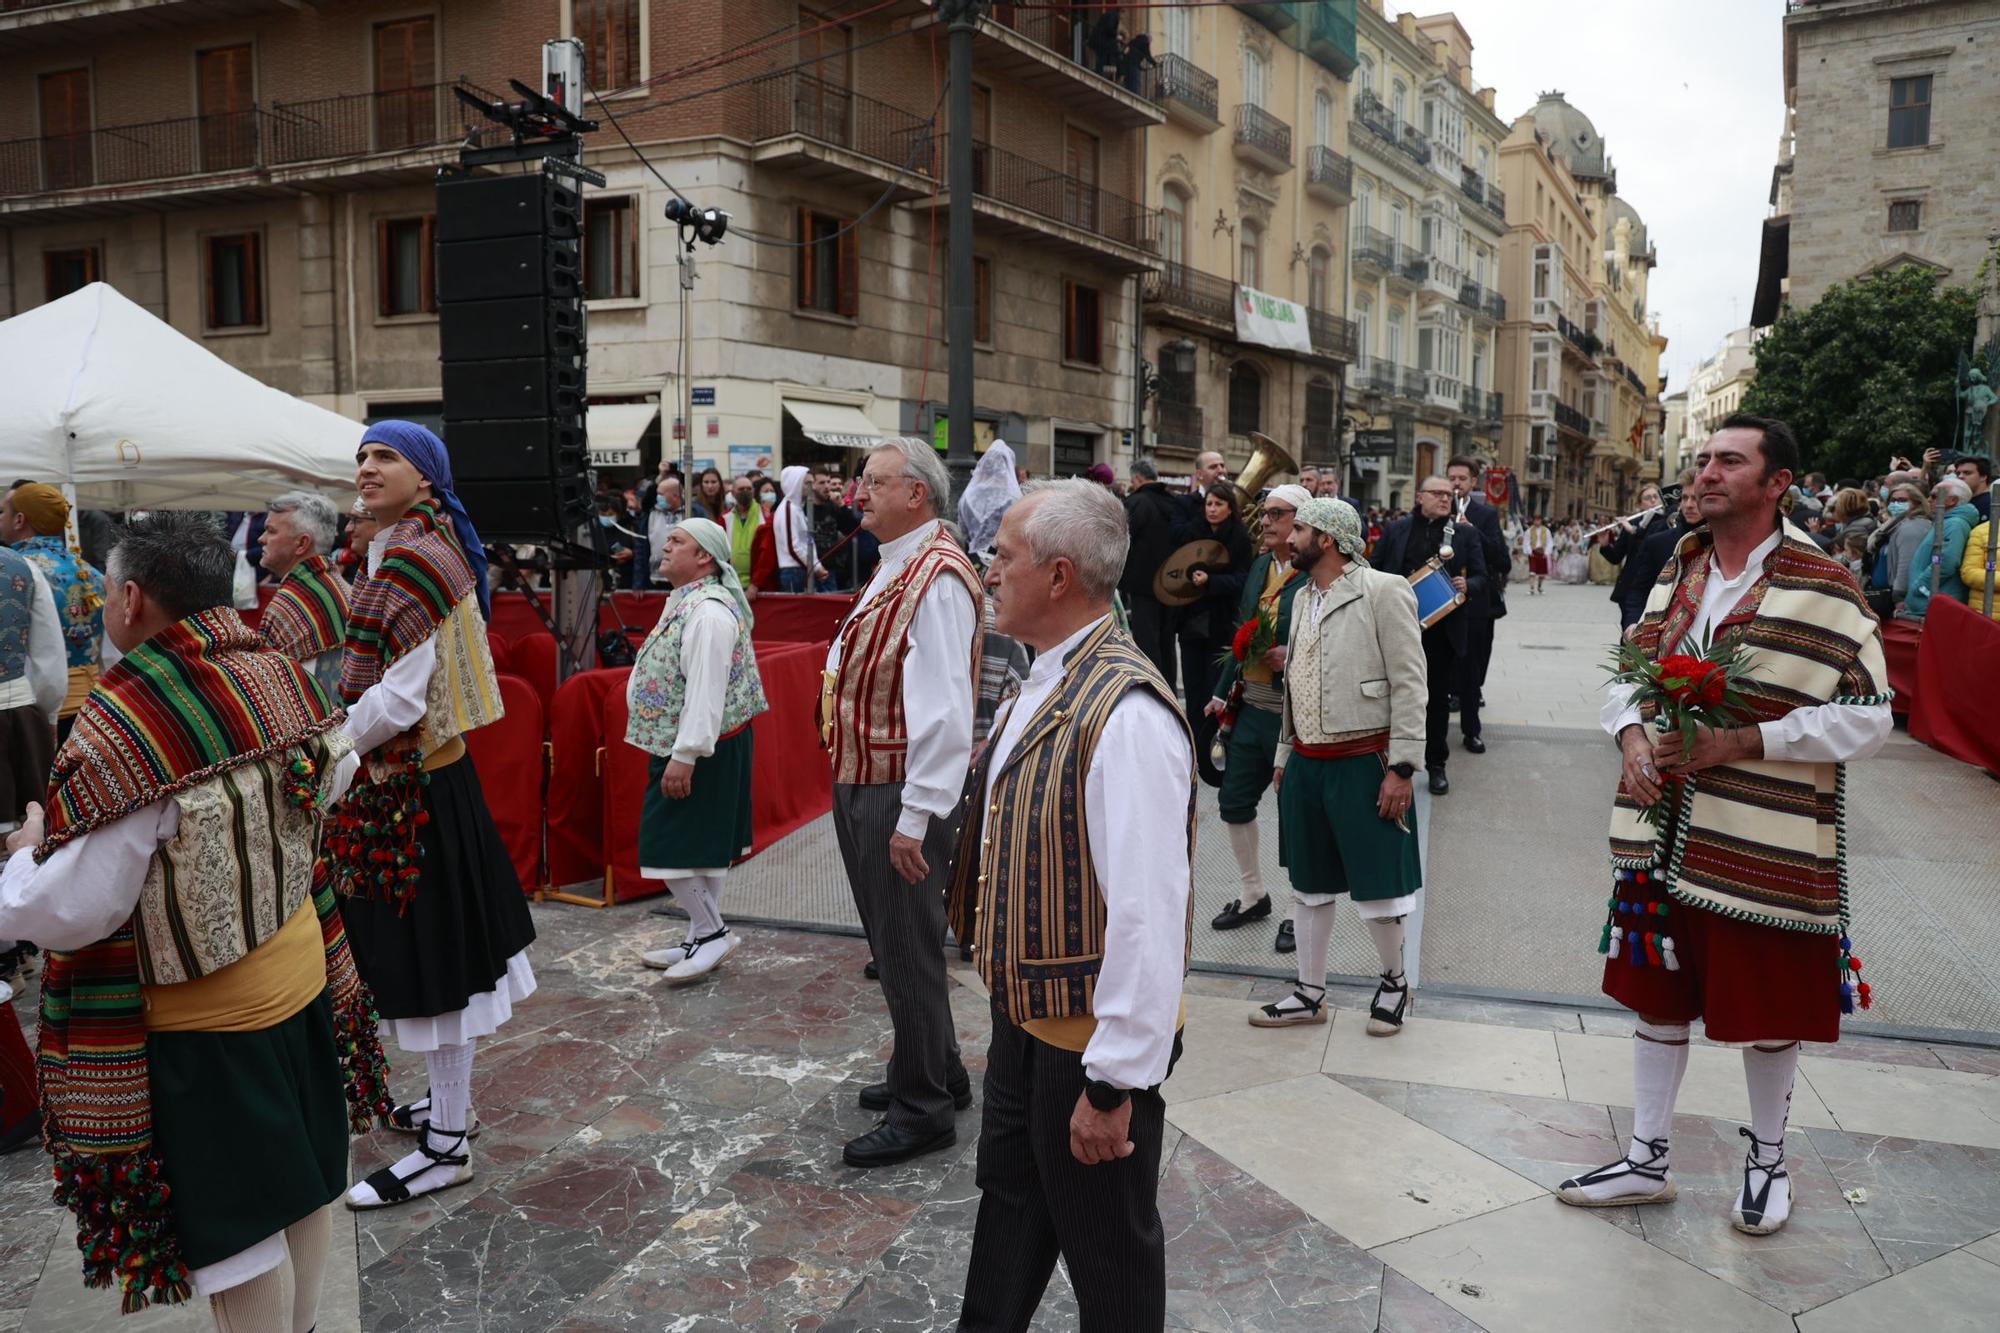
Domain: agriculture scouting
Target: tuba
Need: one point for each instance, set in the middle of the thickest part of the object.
(1267, 460)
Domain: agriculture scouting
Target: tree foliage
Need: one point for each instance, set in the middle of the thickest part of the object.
(1868, 371)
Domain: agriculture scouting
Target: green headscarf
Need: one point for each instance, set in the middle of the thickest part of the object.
(710, 537)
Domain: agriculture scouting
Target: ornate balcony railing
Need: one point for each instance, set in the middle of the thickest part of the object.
(1007, 178)
(1069, 37)
(1188, 291)
(1570, 419)
(1178, 425)
(1330, 171)
(1378, 376)
(1263, 132)
(1414, 266)
(1496, 306)
(1179, 79)
(815, 109)
(1483, 193)
(284, 133)
(1394, 132)
(1332, 335)
(1374, 248)
(1481, 404)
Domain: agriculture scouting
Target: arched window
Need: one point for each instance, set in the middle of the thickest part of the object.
(1246, 399)
(1253, 78)
(1318, 267)
(1322, 119)
(1173, 227)
(1250, 266)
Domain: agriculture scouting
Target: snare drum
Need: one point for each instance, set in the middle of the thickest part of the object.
(1436, 597)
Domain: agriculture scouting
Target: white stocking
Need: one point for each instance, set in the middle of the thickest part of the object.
(701, 893)
(1659, 1059)
(1243, 842)
(1313, 925)
(450, 1069)
(1765, 1201)
(1387, 932)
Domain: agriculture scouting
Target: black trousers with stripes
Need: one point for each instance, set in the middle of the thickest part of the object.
(1037, 1201)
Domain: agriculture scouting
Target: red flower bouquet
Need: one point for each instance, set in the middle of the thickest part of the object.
(1687, 691)
(1255, 636)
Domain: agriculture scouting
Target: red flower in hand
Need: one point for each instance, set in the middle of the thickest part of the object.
(1240, 645)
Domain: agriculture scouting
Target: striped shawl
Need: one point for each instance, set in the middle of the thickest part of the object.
(307, 615)
(1762, 841)
(422, 577)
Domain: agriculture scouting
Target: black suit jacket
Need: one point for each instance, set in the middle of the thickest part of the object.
(1499, 560)
(1468, 560)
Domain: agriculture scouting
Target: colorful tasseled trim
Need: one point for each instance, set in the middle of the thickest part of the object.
(372, 845)
(1637, 909)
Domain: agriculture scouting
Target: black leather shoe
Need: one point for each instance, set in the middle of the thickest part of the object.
(1234, 915)
(886, 1145)
(1474, 745)
(871, 972)
(1287, 941)
(875, 1097)
(1440, 784)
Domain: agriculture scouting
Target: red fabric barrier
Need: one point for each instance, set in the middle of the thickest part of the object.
(513, 617)
(1900, 642)
(496, 644)
(508, 757)
(1957, 710)
(781, 617)
(593, 806)
(534, 659)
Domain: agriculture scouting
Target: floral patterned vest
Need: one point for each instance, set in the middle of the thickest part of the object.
(17, 585)
(659, 685)
(79, 594)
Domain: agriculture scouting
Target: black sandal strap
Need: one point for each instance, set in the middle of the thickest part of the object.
(388, 1186)
(443, 1156)
(1625, 1166)
(404, 1117)
(1308, 1005)
(1402, 1000)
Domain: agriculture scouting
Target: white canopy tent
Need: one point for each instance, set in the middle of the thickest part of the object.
(101, 396)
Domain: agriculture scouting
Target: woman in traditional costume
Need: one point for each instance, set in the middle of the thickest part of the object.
(434, 909)
(693, 691)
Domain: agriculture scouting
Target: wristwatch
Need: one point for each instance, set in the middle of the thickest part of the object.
(1404, 769)
(1105, 1097)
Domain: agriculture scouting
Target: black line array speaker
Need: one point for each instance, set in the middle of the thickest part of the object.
(512, 346)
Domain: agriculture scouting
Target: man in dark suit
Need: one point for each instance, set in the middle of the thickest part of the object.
(1152, 512)
(1405, 546)
(1480, 612)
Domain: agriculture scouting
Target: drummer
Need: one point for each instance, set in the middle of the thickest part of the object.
(1408, 545)
(1216, 567)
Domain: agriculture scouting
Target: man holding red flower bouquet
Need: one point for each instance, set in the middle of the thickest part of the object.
(1754, 677)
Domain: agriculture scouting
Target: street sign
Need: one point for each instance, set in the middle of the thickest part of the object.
(1373, 444)
(704, 395)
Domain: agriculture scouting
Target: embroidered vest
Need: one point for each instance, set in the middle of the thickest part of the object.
(870, 739)
(239, 866)
(79, 593)
(17, 612)
(659, 685)
(1762, 841)
(1024, 888)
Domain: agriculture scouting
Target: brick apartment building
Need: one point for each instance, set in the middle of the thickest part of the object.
(259, 173)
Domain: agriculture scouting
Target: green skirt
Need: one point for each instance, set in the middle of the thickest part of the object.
(251, 1128)
(1333, 840)
(707, 829)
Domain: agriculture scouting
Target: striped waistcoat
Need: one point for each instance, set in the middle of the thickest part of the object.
(1763, 840)
(1024, 887)
(870, 737)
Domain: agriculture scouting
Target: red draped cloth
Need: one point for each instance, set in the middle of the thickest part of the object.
(507, 755)
(1957, 708)
(1900, 641)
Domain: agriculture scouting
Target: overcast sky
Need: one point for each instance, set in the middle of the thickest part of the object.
(1689, 97)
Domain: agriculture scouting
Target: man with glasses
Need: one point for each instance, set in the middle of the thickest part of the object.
(1252, 687)
(1407, 545)
(896, 710)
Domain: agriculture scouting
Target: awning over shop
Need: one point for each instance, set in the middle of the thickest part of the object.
(614, 431)
(834, 424)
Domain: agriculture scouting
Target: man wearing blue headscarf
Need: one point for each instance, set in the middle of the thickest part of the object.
(434, 912)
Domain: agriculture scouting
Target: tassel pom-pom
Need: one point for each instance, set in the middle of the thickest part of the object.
(1604, 939)
(1846, 998)
(1864, 994)
(1667, 953)
(1617, 938)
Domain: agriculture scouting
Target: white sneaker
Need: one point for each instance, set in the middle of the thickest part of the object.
(700, 957)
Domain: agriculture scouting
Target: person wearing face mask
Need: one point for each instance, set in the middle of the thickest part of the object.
(665, 514)
(620, 541)
(799, 569)
(744, 518)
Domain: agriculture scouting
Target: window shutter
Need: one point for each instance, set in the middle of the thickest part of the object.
(214, 284)
(850, 270)
(423, 53)
(253, 282)
(385, 268)
(807, 269)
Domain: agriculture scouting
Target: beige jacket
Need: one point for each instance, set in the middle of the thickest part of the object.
(1371, 664)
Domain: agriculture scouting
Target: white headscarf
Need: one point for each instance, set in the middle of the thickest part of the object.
(710, 537)
(993, 488)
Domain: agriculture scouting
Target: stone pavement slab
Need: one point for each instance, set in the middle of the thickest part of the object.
(1923, 1199)
(1937, 1104)
(1541, 1267)
(1370, 1174)
(1954, 1293)
(1462, 1055)
(1599, 1069)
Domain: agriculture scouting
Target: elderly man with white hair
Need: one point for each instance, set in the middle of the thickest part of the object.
(896, 710)
(1073, 881)
(306, 618)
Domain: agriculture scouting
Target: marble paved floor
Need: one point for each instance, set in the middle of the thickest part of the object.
(657, 1159)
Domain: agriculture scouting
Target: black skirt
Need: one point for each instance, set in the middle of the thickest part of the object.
(467, 918)
(251, 1128)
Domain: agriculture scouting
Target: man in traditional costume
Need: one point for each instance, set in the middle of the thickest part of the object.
(1073, 880)
(439, 924)
(1252, 748)
(1350, 737)
(896, 710)
(200, 1001)
(33, 520)
(306, 618)
(1737, 913)
(693, 691)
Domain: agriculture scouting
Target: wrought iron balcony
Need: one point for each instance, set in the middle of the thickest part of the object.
(1496, 307)
(1589, 344)
(1015, 182)
(1568, 418)
(1413, 266)
(794, 106)
(1394, 132)
(1188, 92)
(1480, 404)
(1484, 193)
(1374, 249)
(1263, 138)
(1414, 144)
(1178, 426)
(1180, 290)
(175, 153)
(1329, 175)
(1377, 376)
(1332, 335)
